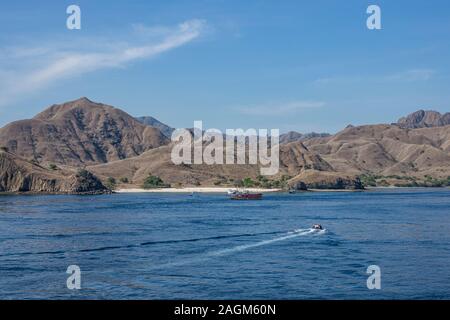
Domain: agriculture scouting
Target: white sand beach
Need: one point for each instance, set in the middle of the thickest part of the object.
(191, 190)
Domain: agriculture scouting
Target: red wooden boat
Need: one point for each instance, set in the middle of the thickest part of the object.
(246, 196)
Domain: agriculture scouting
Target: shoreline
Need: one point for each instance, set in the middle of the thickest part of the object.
(212, 190)
(193, 189)
(255, 190)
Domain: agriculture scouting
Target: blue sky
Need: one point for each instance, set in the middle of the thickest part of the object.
(292, 65)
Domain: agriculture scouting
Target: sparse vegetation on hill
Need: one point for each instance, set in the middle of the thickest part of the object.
(248, 182)
(111, 143)
(124, 180)
(111, 183)
(403, 181)
(86, 182)
(153, 182)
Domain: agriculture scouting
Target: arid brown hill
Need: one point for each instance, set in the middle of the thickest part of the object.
(80, 132)
(295, 158)
(150, 121)
(111, 143)
(395, 155)
(424, 119)
(20, 175)
(293, 136)
(387, 150)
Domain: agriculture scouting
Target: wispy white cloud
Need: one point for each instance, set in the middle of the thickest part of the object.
(279, 109)
(413, 75)
(332, 80)
(26, 70)
(151, 31)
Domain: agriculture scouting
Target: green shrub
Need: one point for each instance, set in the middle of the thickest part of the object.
(52, 166)
(368, 180)
(152, 182)
(248, 182)
(110, 183)
(83, 173)
(261, 178)
(124, 180)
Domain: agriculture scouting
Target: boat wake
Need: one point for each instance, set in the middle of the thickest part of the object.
(289, 235)
(162, 242)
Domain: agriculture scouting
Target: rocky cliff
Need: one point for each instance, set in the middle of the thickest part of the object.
(20, 175)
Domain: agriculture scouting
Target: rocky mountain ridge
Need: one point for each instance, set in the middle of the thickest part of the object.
(116, 147)
(424, 119)
(78, 133)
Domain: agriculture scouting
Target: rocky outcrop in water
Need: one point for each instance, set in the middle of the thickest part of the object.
(20, 175)
(313, 179)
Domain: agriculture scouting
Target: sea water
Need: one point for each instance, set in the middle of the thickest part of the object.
(176, 246)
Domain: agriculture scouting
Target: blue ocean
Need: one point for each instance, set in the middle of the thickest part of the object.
(205, 246)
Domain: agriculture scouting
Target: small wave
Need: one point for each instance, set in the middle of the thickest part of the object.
(142, 244)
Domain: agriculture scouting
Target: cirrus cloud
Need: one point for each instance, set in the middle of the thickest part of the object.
(26, 70)
(413, 75)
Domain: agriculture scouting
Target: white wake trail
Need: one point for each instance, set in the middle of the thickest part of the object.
(211, 255)
(290, 235)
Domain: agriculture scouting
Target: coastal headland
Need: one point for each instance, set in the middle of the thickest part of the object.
(83, 147)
